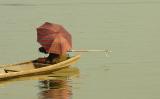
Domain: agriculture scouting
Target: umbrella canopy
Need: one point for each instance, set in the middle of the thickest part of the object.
(54, 38)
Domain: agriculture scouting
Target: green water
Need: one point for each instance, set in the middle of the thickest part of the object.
(129, 28)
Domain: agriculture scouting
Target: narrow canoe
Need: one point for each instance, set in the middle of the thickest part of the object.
(30, 68)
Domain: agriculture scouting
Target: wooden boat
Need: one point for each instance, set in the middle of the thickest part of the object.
(31, 68)
(62, 74)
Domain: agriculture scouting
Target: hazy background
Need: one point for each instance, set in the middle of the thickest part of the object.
(130, 28)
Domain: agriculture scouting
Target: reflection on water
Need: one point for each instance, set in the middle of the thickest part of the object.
(55, 85)
(54, 89)
(58, 88)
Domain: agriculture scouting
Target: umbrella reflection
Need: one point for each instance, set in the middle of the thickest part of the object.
(55, 89)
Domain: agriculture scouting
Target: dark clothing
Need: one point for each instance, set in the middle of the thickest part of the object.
(42, 50)
(52, 57)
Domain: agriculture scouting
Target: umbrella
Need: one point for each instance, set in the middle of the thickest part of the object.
(54, 38)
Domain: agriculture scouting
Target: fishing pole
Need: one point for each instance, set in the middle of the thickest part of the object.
(106, 51)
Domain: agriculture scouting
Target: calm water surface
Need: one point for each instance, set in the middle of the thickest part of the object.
(129, 28)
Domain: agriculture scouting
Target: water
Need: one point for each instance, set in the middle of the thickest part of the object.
(129, 28)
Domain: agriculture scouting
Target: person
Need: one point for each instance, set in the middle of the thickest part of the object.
(52, 57)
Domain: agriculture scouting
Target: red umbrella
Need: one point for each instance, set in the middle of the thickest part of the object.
(54, 38)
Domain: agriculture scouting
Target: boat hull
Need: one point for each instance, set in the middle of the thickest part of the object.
(28, 68)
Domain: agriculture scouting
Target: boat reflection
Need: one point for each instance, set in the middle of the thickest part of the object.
(58, 88)
(55, 89)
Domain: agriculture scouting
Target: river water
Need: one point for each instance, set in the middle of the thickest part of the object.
(130, 28)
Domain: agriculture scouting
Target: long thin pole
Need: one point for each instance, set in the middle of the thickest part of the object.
(94, 50)
(88, 50)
